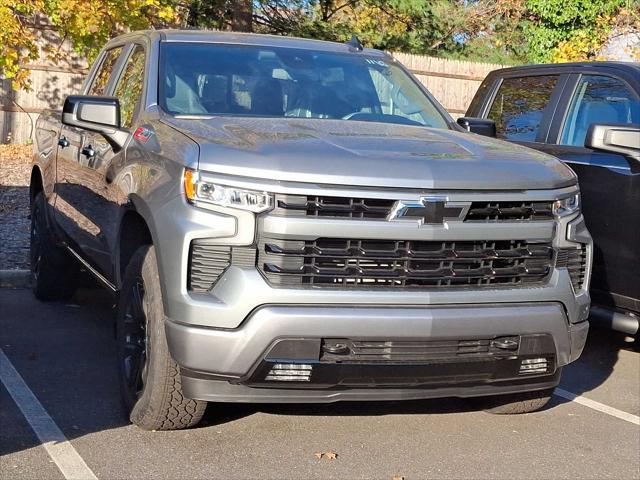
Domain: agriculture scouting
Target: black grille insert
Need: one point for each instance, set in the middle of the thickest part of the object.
(343, 207)
(575, 261)
(206, 264)
(509, 211)
(374, 208)
(407, 351)
(388, 263)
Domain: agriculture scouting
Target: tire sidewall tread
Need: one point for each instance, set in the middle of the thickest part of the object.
(162, 405)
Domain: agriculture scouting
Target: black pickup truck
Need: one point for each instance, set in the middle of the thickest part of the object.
(588, 115)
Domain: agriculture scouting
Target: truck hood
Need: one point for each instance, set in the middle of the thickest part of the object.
(342, 152)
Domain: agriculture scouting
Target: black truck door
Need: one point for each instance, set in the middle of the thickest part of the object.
(609, 183)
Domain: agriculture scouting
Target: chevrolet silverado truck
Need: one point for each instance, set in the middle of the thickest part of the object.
(288, 220)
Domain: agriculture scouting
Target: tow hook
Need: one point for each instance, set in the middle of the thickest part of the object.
(505, 343)
(337, 348)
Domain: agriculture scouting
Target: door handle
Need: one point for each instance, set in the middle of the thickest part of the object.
(63, 142)
(88, 151)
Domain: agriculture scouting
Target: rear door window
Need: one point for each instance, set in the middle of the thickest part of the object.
(598, 99)
(101, 79)
(519, 106)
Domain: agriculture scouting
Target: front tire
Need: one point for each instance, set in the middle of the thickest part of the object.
(54, 274)
(149, 378)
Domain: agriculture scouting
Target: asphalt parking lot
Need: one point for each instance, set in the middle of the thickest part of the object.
(65, 354)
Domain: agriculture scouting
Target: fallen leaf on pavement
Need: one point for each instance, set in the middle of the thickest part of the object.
(329, 455)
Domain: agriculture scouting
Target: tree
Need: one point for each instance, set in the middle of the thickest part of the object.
(579, 25)
(481, 29)
(87, 23)
(588, 43)
(242, 18)
(500, 31)
(17, 41)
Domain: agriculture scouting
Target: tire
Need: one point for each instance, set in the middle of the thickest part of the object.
(54, 274)
(149, 378)
(517, 403)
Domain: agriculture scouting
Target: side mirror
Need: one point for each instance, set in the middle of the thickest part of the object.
(620, 138)
(481, 126)
(96, 114)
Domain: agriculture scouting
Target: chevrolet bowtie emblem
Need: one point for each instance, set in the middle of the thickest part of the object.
(428, 210)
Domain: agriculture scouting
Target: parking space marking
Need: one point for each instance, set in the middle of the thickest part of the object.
(601, 407)
(53, 440)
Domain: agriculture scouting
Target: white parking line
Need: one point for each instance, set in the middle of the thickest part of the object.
(53, 440)
(601, 407)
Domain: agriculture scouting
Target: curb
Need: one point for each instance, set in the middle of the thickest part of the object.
(15, 278)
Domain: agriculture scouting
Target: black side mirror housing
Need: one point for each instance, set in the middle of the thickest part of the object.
(481, 126)
(623, 138)
(96, 114)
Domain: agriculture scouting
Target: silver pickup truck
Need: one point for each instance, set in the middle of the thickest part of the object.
(287, 220)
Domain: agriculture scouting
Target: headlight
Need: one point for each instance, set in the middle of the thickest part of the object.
(196, 190)
(567, 206)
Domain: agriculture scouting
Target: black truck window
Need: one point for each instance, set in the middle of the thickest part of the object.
(519, 106)
(129, 86)
(100, 81)
(598, 99)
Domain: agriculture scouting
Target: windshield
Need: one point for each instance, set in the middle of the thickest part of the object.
(221, 79)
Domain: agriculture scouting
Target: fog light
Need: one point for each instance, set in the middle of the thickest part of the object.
(290, 372)
(534, 365)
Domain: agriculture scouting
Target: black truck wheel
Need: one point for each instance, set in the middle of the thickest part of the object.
(517, 403)
(54, 274)
(149, 378)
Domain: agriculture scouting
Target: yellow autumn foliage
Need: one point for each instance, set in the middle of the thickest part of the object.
(88, 24)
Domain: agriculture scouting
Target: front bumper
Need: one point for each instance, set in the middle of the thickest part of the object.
(221, 337)
(224, 365)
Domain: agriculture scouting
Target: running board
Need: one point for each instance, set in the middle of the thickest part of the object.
(101, 278)
(614, 320)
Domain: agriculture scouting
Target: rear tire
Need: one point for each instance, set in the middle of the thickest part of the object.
(517, 403)
(149, 378)
(54, 274)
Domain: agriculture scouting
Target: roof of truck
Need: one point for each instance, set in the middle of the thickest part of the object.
(214, 36)
(634, 66)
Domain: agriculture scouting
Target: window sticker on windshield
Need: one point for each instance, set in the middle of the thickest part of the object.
(380, 63)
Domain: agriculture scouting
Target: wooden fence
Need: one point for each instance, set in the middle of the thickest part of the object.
(51, 82)
(452, 82)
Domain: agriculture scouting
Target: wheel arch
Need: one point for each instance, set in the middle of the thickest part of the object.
(134, 232)
(36, 183)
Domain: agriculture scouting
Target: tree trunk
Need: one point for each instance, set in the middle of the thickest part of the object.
(242, 15)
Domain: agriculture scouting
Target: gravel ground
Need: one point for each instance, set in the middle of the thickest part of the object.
(15, 161)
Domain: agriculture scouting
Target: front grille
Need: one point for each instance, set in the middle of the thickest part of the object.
(509, 211)
(374, 208)
(341, 207)
(354, 263)
(575, 261)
